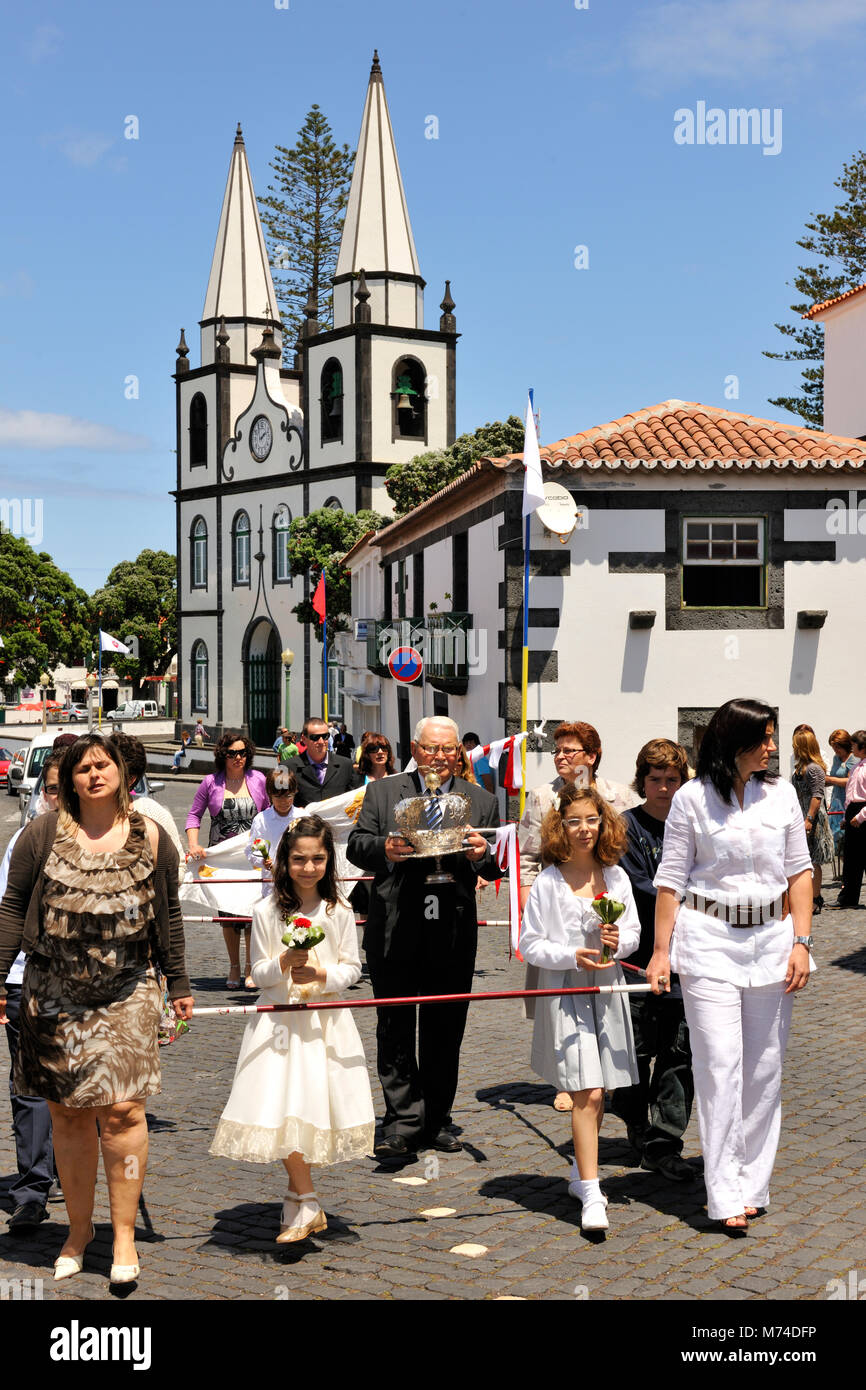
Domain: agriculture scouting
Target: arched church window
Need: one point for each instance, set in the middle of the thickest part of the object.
(409, 399)
(197, 431)
(199, 673)
(280, 546)
(331, 401)
(198, 554)
(241, 549)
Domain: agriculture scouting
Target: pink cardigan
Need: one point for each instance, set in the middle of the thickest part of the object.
(211, 791)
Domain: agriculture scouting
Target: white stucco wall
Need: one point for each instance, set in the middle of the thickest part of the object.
(845, 368)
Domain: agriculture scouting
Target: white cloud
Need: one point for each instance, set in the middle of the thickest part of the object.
(745, 39)
(44, 43)
(34, 429)
(82, 148)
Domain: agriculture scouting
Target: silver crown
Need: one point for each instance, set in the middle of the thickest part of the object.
(411, 816)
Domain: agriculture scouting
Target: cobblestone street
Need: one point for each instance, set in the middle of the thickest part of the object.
(496, 1220)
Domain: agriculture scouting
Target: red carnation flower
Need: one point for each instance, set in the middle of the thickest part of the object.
(599, 895)
(302, 921)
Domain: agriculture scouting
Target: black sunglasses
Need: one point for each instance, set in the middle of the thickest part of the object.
(318, 738)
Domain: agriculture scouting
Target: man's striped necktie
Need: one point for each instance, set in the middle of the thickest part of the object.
(434, 811)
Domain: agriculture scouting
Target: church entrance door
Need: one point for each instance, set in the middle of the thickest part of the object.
(263, 685)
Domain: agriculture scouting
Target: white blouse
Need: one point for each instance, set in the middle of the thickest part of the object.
(733, 856)
(553, 926)
(270, 826)
(338, 953)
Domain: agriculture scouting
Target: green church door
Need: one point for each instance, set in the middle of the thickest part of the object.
(263, 692)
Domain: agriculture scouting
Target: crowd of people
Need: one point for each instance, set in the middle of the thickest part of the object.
(704, 880)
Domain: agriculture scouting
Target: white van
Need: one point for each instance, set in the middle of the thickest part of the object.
(24, 774)
(135, 709)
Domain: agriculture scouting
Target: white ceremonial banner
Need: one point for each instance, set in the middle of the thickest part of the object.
(203, 882)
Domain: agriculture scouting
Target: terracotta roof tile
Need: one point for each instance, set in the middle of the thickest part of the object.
(682, 434)
(831, 303)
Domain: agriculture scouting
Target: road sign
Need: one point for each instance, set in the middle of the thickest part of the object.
(405, 664)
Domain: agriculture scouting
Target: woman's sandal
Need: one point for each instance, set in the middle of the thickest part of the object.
(734, 1225)
(563, 1101)
(233, 981)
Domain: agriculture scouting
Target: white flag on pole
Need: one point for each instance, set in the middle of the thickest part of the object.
(533, 483)
(107, 643)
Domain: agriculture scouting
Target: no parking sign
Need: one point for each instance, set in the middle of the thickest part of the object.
(405, 664)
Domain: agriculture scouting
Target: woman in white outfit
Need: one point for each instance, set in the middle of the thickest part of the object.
(735, 852)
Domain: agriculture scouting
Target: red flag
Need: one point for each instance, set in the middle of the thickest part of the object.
(319, 598)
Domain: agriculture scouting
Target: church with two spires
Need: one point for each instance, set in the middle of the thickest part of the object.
(259, 444)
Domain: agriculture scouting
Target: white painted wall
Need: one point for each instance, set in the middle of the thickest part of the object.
(845, 368)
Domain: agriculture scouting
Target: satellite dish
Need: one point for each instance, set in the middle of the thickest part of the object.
(559, 513)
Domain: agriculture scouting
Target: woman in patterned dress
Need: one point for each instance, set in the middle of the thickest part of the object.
(92, 899)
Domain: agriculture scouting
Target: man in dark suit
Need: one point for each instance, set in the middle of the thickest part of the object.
(420, 938)
(321, 774)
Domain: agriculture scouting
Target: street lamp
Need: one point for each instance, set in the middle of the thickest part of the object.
(287, 657)
(90, 682)
(44, 681)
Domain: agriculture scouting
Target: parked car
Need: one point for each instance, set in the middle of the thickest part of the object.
(27, 766)
(74, 713)
(6, 757)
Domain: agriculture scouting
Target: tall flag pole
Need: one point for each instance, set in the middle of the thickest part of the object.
(320, 604)
(533, 498)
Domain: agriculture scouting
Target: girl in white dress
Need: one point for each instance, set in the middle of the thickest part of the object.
(301, 1091)
(581, 1044)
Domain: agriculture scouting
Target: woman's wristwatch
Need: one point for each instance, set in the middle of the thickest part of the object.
(803, 941)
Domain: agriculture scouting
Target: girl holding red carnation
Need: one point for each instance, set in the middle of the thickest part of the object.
(301, 1092)
(582, 1044)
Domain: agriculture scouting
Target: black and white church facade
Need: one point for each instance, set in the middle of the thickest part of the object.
(259, 444)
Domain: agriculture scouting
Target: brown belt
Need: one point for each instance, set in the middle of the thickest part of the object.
(739, 914)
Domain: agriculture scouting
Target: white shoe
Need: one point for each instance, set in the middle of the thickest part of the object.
(67, 1265)
(124, 1274)
(594, 1215)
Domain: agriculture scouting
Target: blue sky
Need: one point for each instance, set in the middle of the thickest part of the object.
(555, 131)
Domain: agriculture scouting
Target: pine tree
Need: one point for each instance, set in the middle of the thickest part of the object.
(838, 239)
(302, 216)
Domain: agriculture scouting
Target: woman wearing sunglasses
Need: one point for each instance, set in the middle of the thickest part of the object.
(233, 793)
(377, 757)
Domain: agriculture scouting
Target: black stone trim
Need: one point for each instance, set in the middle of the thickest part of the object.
(402, 275)
(199, 612)
(363, 491)
(483, 512)
(363, 399)
(281, 480)
(380, 330)
(451, 392)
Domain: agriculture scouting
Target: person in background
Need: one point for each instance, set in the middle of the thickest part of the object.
(320, 773)
(286, 747)
(577, 754)
(270, 824)
(656, 1110)
(854, 845)
(200, 734)
(345, 744)
(132, 752)
(233, 794)
(843, 765)
(808, 781)
(481, 767)
(31, 1119)
(282, 735)
(180, 755)
(376, 757)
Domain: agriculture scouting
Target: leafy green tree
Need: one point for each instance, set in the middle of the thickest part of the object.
(410, 484)
(318, 542)
(838, 239)
(302, 214)
(44, 618)
(139, 599)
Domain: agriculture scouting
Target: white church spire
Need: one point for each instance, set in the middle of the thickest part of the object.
(240, 289)
(377, 234)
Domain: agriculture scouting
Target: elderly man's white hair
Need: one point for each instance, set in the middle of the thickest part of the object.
(434, 719)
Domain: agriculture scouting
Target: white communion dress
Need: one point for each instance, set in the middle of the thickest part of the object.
(301, 1083)
(579, 1042)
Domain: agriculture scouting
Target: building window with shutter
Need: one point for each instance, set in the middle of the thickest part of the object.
(724, 562)
(198, 557)
(241, 549)
(199, 662)
(280, 545)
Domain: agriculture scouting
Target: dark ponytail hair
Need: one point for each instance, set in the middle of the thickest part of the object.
(736, 727)
(285, 892)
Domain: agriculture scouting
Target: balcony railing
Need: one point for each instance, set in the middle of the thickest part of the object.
(446, 657)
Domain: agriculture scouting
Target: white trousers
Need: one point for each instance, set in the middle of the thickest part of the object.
(738, 1038)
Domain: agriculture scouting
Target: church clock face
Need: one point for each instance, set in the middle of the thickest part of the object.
(261, 438)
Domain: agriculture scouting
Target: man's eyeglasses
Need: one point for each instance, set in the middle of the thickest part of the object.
(446, 749)
(317, 738)
(591, 822)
